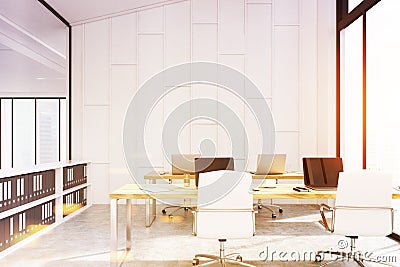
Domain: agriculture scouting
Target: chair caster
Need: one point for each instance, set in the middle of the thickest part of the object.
(164, 212)
(195, 262)
(280, 210)
(186, 208)
(171, 216)
(318, 258)
(273, 215)
(239, 258)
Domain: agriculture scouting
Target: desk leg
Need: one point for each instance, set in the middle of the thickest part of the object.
(150, 217)
(114, 232)
(154, 204)
(128, 224)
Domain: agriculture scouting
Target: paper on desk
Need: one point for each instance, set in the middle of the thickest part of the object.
(156, 189)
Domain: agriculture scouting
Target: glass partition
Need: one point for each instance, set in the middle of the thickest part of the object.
(47, 130)
(383, 91)
(6, 133)
(23, 133)
(351, 96)
(33, 131)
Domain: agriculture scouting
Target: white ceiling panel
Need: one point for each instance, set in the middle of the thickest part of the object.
(33, 20)
(79, 11)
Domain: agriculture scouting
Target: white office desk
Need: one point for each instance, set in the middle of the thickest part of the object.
(151, 192)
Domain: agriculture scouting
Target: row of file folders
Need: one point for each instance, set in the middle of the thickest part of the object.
(22, 189)
(25, 223)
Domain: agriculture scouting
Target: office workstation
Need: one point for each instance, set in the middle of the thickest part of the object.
(199, 133)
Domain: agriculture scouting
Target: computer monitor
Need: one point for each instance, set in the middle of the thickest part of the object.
(183, 163)
(212, 164)
(271, 164)
(322, 173)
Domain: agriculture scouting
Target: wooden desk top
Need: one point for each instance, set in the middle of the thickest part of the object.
(169, 176)
(176, 191)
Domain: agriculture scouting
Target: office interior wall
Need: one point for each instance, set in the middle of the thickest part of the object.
(285, 46)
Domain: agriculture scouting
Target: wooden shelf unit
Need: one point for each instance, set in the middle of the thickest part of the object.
(35, 200)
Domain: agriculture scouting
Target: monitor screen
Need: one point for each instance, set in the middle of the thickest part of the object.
(320, 172)
(212, 164)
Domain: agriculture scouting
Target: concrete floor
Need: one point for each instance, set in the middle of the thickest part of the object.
(289, 240)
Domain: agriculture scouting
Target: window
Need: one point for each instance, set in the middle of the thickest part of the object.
(351, 96)
(33, 131)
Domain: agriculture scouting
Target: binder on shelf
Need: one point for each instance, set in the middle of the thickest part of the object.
(13, 192)
(26, 190)
(14, 233)
(2, 234)
(30, 221)
(40, 185)
(52, 183)
(34, 187)
(29, 190)
(6, 232)
(1, 196)
(20, 190)
(7, 194)
(53, 211)
(45, 190)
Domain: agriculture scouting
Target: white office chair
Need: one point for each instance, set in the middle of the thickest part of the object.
(224, 211)
(363, 207)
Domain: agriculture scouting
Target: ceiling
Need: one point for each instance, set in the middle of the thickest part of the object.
(33, 47)
(21, 74)
(80, 11)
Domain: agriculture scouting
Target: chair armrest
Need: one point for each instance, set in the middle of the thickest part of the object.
(322, 209)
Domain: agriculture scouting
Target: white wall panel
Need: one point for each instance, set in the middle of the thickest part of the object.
(177, 33)
(231, 26)
(285, 106)
(100, 185)
(230, 104)
(287, 143)
(210, 94)
(153, 135)
(205, 42)
(259, 47)
(123, 39)
(286, 12)
(234, 61)
(204, 139)
(96, 134)
(326, 77)
(151, 20)
(150, 56)
(253, 147)
(96, 63)
(77, 95)
(123, 87)
(308, 78)
(258, 1)
(225, 145)
(173, 101)
(205, 10)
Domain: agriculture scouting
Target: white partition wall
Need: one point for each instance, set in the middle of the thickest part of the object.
(286, 47)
